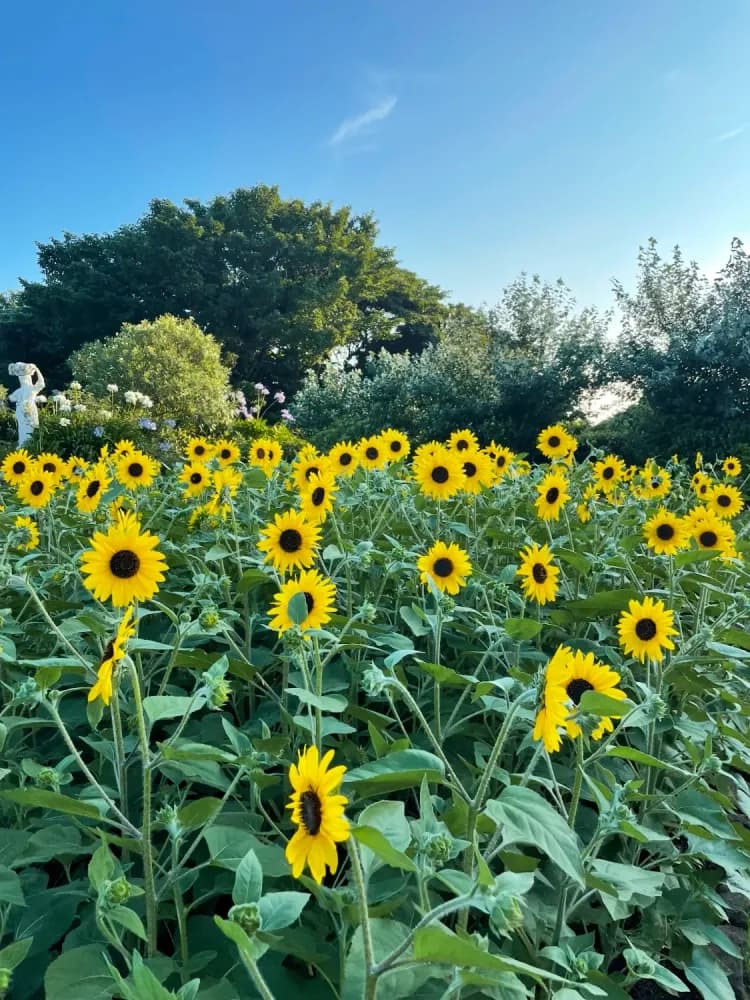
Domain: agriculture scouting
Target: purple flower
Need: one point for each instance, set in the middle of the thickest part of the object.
(286, 415)
(98, 431)
(279, 397)
(164, 446)
(147, 425)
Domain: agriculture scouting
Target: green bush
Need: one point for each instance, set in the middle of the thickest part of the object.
(171, 360)
(248, 430)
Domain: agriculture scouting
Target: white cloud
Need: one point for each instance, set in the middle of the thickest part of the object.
(351, 127)
(731, 134)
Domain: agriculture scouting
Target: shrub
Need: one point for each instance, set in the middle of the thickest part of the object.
(171, 360)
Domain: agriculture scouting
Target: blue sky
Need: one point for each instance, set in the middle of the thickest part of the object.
(488, 137)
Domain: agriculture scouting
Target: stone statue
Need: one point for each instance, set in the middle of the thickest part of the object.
(32, 383)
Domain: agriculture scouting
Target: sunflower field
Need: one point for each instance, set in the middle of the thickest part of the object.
(373, 723)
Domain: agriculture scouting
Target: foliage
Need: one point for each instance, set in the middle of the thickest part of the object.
(278, 282)
(142, 842)
(171, 360)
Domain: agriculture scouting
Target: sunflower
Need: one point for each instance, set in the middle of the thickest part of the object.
(583, 512)
(48, 461)
(652, 483)
(726, 501)
(226, 481)
(440, 473)
(318, 814)
(709, 531)
(373, 453)
(16, 465)
(309, 462)
(538, 574)
(665, 533)
(344, 458)
(123, 564)
(501, 457)
(609, 471)
(265, 454)
(198, 449)
(701, 484)
(124, 447)
(396, 444)
(114, 651)
(645, 629)
(29, 540)
(567, 678)
(316, 499)
(76, 467)
(289, 541)
(478, 471)
(447, 566)
(319, 594)
(37, 487)
(91, 488)
(553, 494)
(136, 469)
(196, 478)
(731, 466)
(464, 440)
(226, 452)
(555, 442)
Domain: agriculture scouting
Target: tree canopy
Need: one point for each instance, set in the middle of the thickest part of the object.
(278, 282)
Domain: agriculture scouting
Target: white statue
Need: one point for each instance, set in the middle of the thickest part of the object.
(32, 383)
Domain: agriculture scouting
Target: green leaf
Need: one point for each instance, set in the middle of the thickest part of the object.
(436, 943)
(444, 675)
(228, 845)
(250, 948)
(128, 919)
(248, 880)
(80, 974)
(731, 652)
(101, 866)
(708, 977)
(604, 602)
(522, 628)
(527, 818)
(14, 953)
(251, 579)
(325, 702)
(10, 887)
(403, 769)
(33, 798)
(637, 756)
(198, 812)
(169, 706)
(280, 909)
(398, 984)
(594, 703)
(297, 608)
(376, 842)
(389, 819)
(413, 617)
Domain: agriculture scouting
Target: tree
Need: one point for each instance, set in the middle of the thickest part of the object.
(278, 282)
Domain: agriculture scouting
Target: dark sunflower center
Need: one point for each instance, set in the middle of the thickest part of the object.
(443, 566)
(345, 458)
(440, 474)
(645, 629)
(135, 469)
(608, 472)
(93, 488)
(312, 471)
(371, 453)
(19, 467)
(290, 540)
(261, 453)
(199, 450)
(500, 461)
(395, 447)
(724, 500)
(655, 484)
(226, 453)
(318, 496)
(554, 441)
(703, 489)
(665, 532)
(539, 572)
(708, 539)
(108, 651)
(462, 445)
(552, 494)
(309, 600)
(577, 689)
(196, 478)
(470, 470)
(124, 564)
(49, 467)
(311, 811)
(36, 487)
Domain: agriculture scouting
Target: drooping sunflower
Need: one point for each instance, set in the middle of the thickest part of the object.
(555, 442)
(123, 564)
(464, 440)
(92, 487)
(136, 470)
(448, 567)
(226, 452)
(731, 466)
(344, 458)
(478, 471)
(316, 499)
(226, 481)
(320, 601)
(373, 453)
(37, 487)
(665, 533)
(196, 477)
(318, 813)
(28, 539)
(645, 629)
(76, 467)
(396, 444)
(709, 531)
(309, 462)
(289, 541)
(609, 471)
(702, 485)
(725, 500)
(567, 678)
(16, 465)
(199, 450)
(439, 472)
(538, 573)
(48, 461)
(114, 651)
(501, 457)
(553, 495)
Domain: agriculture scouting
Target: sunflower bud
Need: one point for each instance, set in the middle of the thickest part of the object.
(639, 963)
(210, 617)
(28, 690)
(507, 914)
(375, 682)
(48, 778)
(116, 893)
(167, 817)
(247, 915)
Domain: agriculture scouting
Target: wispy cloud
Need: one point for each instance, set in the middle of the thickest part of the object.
(359, 124)
(731, 134)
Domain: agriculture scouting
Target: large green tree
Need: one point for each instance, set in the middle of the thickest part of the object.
(278, 282)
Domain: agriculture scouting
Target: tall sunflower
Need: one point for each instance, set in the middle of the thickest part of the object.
(37, 487)
(665, 533)
(609, 471)
(289, 541)
(316, 499)
(552, 496)
(123, 564)
(226, 481)
(538, 574)
(196, 477)
(709, 531)
(645, 629)
(28, 534)
(344, 458)
(373, 453)
(91, 488)
(114, 651)
(136, 469)
(725, 500)
(501, 457)
(478, 471)
(439, 472)
(555, 442)
(652, 482)
(226, 452)
(320, 597)
(265, 453)
(48, 461)
(464, 440)
(318, 813)
(16, 465)
(448, 567)
(76, 467)
(199, 450)
(396, 444)
(309, 463)
(731, 466)
(124, 447)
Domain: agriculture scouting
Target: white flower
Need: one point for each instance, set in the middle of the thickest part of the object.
(80, 408)
(259, 387)
(64, 404)
(147, 401)
(105, 414)
(64, 422)
(75, 386)
(113, 388)
(41, 399)
(131, 397)
(279, 397)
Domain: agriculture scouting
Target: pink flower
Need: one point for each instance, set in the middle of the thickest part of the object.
(279, 397)
(286, 415)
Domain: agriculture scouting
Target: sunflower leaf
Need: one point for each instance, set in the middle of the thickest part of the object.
(595, 703)
(297, 608)
(248, 880)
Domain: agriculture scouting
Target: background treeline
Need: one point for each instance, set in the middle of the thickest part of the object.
(301, 297)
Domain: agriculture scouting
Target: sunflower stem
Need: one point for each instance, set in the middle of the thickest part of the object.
(257, 977)
(371, 981)
(577, 783)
